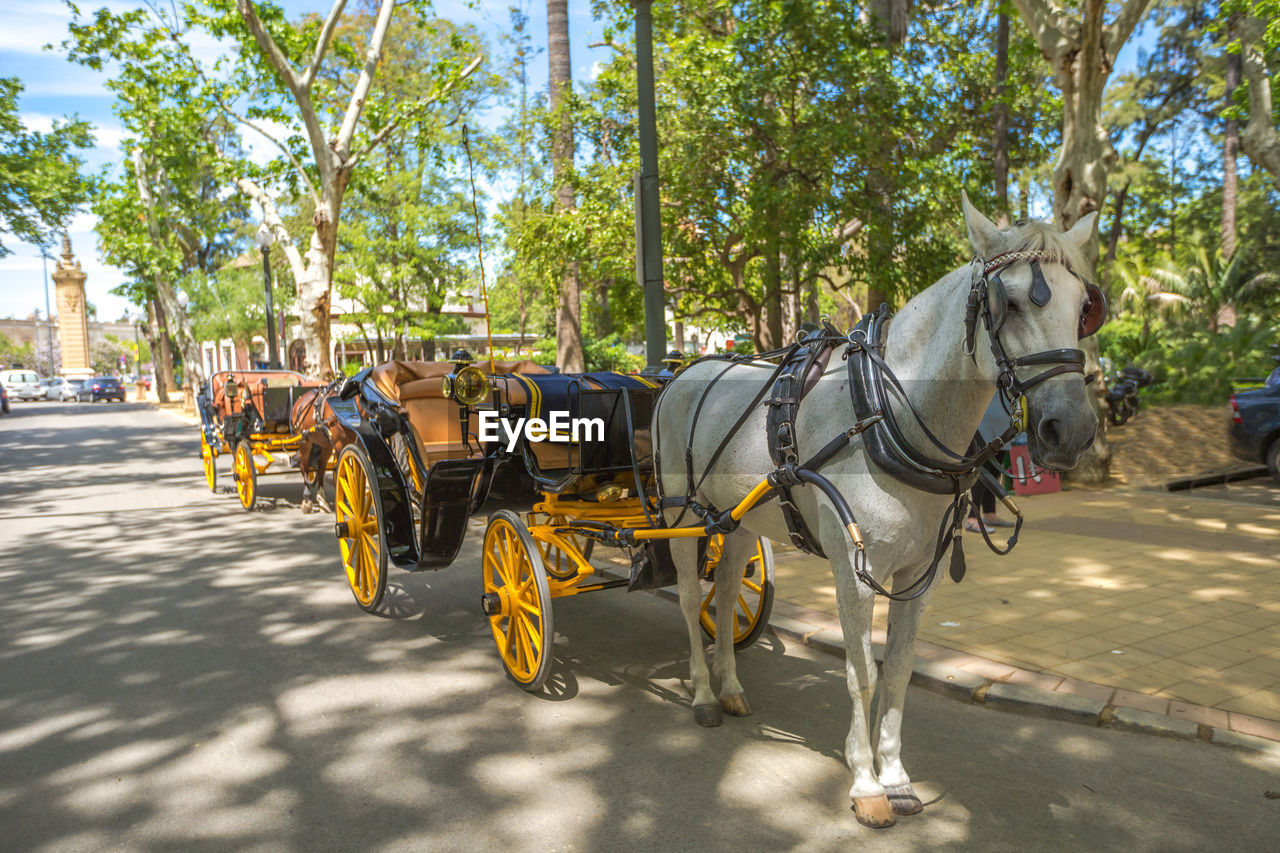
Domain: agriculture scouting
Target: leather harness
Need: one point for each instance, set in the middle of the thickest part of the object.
(873, 388)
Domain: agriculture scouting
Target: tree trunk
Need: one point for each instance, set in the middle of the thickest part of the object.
(569, 356)
(1081, 53)
(1000, 140)
(179, 325)
(1230, 147)
(1117, 224)
(1259, 140)
(773, 300)
(151, 331)
(162, 352)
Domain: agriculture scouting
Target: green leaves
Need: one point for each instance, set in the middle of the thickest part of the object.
(41, 186)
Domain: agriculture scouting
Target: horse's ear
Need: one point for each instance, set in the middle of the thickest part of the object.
(986, 239)
(1082, 232)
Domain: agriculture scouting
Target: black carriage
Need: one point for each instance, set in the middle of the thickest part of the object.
(406, 491)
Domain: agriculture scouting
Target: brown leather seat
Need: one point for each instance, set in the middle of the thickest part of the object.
(250, 384)
(417, 387)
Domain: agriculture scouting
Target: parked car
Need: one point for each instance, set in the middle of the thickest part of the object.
(1255, 427)
(4, 401)
(23, 384)
(100, 388)
(62, 389)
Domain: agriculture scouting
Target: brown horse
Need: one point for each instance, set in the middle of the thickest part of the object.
(323, 437)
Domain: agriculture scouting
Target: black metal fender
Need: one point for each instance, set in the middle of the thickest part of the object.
(455, 489)
(397, 512)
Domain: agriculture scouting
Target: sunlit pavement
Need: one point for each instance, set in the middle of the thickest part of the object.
(177, 674)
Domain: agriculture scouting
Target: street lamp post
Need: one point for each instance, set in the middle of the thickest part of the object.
(48, 316)
(649, 218)
(265, 238)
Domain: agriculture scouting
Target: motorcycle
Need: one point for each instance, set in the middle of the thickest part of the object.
(1122, 391)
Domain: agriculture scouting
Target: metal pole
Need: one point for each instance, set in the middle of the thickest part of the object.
(650, 225)
(48, 316)
(273, 353)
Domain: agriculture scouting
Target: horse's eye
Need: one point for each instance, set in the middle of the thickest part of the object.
(1014, 307)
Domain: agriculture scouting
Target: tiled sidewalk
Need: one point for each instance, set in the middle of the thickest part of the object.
(1159, 602)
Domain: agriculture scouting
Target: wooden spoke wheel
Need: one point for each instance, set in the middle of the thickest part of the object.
(517, 600)
(245, 473)
(358, 517)
(755, 596)
(210, 460)
(558, 564)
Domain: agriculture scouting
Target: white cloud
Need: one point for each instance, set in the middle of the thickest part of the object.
(596, 68)
(28, 27)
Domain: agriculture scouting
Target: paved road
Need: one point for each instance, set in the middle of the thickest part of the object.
(176, 674)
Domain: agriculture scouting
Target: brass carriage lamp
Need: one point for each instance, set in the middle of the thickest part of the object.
(468, 385)
(231, 389)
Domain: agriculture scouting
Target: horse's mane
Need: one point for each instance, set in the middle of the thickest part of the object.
(1035, 236)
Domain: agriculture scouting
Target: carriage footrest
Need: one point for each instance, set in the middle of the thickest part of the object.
(651, 566)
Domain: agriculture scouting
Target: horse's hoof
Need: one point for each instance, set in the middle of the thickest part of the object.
(736, 705)
(707, 715)
(903, 800)
(308, 507)
(874, 812)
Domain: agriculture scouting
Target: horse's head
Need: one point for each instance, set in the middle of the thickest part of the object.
(1028, 310)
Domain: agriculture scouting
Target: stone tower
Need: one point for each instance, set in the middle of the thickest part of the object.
(73, 322)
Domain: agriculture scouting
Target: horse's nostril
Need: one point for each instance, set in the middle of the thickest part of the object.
(1049, 431)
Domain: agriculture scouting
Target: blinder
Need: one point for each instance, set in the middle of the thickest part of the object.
(1092, 315)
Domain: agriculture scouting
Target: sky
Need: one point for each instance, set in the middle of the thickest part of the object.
(56, 88)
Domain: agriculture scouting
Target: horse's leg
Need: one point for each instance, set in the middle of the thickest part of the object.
(305, 449)
(855, 601)
(728, 575)
(706, 711)
(324, 453)
(899, 657)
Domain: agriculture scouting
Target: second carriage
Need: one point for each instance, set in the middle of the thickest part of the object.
(252, 416)
(566, 517)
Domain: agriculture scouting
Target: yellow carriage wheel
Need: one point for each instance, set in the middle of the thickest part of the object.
(358, 517)
(210, 460)
(558, 564)
(246, 475)
(517, 600)
(755, 595)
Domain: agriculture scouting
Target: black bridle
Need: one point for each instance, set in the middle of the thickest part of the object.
(988, 301)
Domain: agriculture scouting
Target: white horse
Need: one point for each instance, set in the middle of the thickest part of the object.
(900, 524)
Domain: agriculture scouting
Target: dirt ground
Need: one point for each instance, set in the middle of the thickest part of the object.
(1163, 443)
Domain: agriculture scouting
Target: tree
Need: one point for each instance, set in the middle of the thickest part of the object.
(164, 217)
(1214, 287)
(1081, 51)
(560, 82)
(41, 186)
(281, 50)
(1150, 102)
(1258, 26)
(411, 233)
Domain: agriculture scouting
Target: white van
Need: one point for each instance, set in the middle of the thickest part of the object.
(23, 385)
